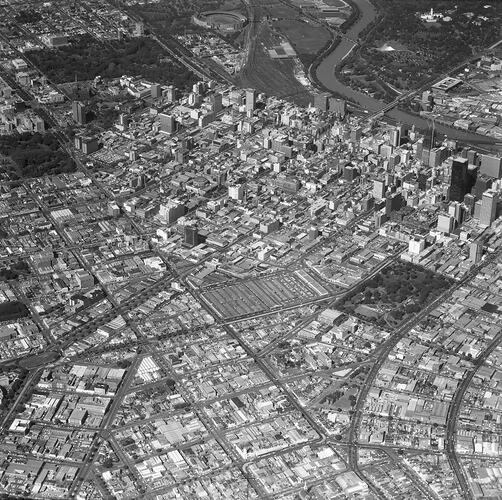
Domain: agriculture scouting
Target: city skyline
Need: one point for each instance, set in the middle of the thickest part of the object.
(250, 250)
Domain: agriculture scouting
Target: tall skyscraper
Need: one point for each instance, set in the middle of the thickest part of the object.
(395, 137)
(79, 112)
(476, 251)
(456, 210)
(167, 123)
(355, 134)
(488, 208)
(446, 223)
(191, 236)
(321, 102)
(337, 106)
(472, 157)
(438, 156)
(491, 166)
(379, 189)
(156, 91)
(250, 100)
(171, 93)
(483, 183)
(459, 179)
(216, 102)
(123, 122)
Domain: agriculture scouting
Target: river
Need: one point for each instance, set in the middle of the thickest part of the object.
(326, 76)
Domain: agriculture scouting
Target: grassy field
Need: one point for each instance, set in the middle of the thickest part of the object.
(232, 5)
(306, 38)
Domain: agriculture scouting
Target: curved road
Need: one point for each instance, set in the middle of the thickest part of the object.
(326, 75)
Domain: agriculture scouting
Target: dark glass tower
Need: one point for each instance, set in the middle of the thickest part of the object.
(459, 179)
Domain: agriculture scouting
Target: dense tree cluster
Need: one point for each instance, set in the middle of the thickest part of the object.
(401, 289)
(425, 50)
(85, 58)
(9, 393)
(173, 15)
(13, 310)
(27, 16)
(35, 155)
(15, 270)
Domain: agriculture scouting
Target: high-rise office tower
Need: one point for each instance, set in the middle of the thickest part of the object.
(379, 189)
(191, 236)
(79, 112)
(156, 91)
(446, 223)
(459, 179)
(456, 210)
(472, 156)
(488, 208)
(167, 123)
(491, 166)
(321, 102)
(216, 102)
(395, 137)
(250, 100)
(337, 106)
(476, 251)
(483, 183)
(355, 134)
(438, 156)
(171, 93)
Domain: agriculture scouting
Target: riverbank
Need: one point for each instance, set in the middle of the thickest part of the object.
(326, 79)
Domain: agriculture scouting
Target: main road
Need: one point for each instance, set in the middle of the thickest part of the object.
(326, 76)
